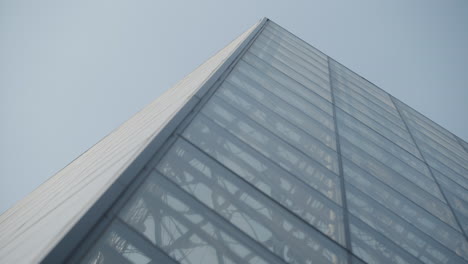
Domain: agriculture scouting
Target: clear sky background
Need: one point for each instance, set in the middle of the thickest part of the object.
(72, 71)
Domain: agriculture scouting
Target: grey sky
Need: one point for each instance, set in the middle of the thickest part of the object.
(72, 71)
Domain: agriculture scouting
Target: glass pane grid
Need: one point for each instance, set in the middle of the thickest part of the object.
(297, 76)
(424, 119)
(382, 103)
(435, 135)
(213, 140)
(379, 128)
(377, 106)
(307, 56)
(419, 192)
(224, 192)
(348, 122)
(278, 101)
(453, 164)
(271, 145)
(364, 103)
(260, 173)
(393, 162)
(402, 233)
(263, 115)
(292, 61)
(288, 82)
(293, 57)
(363, 84)
(393, 200)
(448, 147)
(300, 42)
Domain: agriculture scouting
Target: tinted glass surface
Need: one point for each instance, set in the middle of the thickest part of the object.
(293, 158)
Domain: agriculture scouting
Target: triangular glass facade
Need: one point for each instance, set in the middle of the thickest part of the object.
(290, 157)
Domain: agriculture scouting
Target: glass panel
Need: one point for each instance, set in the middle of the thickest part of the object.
(346, 120)
(168, 220)
(276, 124)
(266, 223)
(451, 186)
(447, 171)
(361, 85)
(461, 209)
(452, 150)
(436, 151)
(311, 58)
(374, 248)
(312, 51)
(247, 75)
(464, 145)
(426, 122)
(120, 245)
(396, 229)
(381, 106)
(245, 161)
(347, 96)
(267, 143)
(379, 128)
(320, 122)
(289, 58)
(434, 134)
(402, 136)
(192, 169)
(287, 82)
(450, 147)
(425, 182)
(404, 208)
(412, 191)
(262, 53)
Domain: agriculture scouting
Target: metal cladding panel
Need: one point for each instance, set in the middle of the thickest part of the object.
(31, 228)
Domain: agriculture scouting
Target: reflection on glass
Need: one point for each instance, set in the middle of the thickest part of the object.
(316, 121)
(426, 182)
(248, 77)
(444, 144)
(374, 248)
(319, 56)
(264, 141)
(396, 229)
(361, 85)
(272, 59)
(298, 54)
(286, 80)
(414, 117)
(244, 207)
(453, 186)
(120, 245)
(345, 121)
(447, 159)
(445, 170)
(381, 129)
(184, 233)
(366, 106)
(401, 206)
(460, 208)
(293, 61)
(188, 164)
(243, 159)
(276, 124)
(422, 197)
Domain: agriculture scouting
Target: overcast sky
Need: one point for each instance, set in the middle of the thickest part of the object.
(72, 71)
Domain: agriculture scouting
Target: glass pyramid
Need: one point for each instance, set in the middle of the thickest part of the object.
(270, 152)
